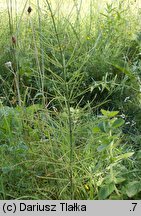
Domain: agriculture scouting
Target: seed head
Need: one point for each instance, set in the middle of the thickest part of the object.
(29, 10)
(13, 40)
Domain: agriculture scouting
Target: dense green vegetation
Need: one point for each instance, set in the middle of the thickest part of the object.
(70, 102)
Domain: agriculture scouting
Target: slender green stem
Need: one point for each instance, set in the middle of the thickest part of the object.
(16, 79)
(42, 53)
(14, 50)
(36, 53)
(67, 98)
(71, 152)
(111, 155)
(55, 29)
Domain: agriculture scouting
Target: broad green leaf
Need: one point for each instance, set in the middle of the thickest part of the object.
(96, 130)
(119, 180)
(105, 191)
(108, 179)
(104, 126)
(101, 126)
(116, 197)
(112, 114)
(108, 113)
(118, 122)
(133, 188)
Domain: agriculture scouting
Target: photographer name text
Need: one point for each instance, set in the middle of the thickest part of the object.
(62, 206)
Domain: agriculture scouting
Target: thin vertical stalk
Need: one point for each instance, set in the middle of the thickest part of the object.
(41, 79)
(36, 51)
(14, 51)
(9, 17)
(42, 52)
(78, 9)
(111, 166)
(16, 80)
(67, 94)
(71, 150)
(67, 101)
(55, 29)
